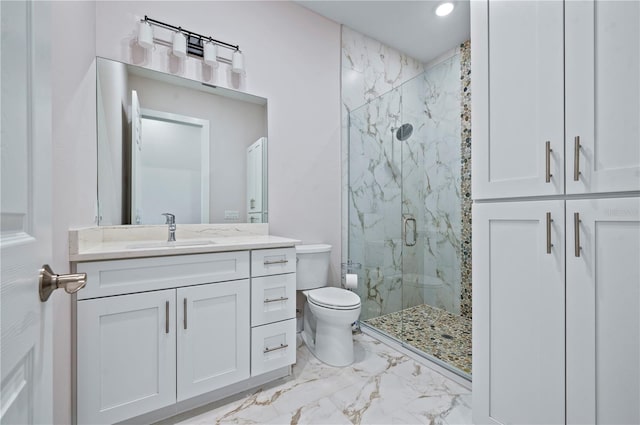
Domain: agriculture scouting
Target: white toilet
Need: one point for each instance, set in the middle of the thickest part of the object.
(328, 311)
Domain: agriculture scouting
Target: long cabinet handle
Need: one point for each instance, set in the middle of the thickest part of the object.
(576, 231)
(549, 244)
(267, 301)
(184, 302)
(166, 317)
(267, 263)
(576, 158)
(281, 347)
(548, 151)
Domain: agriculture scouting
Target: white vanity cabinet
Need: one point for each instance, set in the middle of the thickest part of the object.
(140, 349)
(273, 309)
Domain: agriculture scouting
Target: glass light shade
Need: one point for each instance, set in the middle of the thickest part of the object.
(211, 54)
(145, 35)
(237, 62)
(179, 45)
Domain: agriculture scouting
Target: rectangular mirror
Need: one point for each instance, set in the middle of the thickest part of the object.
(170, 144)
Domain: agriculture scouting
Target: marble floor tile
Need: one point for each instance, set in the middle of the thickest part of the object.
(382, 386)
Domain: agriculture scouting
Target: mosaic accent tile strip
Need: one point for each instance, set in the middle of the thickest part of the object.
(432, 330)
(465, 161)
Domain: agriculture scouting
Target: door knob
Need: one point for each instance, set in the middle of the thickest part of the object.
(49, 282)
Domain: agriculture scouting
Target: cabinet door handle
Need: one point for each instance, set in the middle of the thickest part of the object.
(275, 300)
(576, 158)
(549, 244)
(185, 312)
(267, 263)
(576, 231)
(548, 151)
(166, 317)
(269, 350)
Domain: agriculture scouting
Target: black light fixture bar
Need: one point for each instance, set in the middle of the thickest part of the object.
(195, 41)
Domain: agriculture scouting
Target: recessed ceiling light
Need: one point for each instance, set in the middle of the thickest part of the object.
(444, 9)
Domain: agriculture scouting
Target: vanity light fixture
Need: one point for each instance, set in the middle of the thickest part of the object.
(188, 43)
(444, 9)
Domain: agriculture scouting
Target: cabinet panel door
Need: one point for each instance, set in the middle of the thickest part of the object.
(126, 356)
(518, 98)
(213, 336)
(603, 95)
(603, 311)
(518, 313)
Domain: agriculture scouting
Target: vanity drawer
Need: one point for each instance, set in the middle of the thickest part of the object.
(116, 277)
(273, 298)
(273, 346)
(266, 262)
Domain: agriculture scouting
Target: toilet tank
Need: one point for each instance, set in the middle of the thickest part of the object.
(312, 267)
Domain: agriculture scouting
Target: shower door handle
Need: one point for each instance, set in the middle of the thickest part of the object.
(406, 220)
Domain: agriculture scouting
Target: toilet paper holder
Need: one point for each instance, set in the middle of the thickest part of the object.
(350, 267)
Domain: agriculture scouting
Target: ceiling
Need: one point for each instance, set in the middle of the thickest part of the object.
(409, 26)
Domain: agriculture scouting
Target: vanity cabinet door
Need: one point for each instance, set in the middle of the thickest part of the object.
(126, 349)
(213, 336)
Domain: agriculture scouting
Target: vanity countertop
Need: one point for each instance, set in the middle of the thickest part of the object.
(121, 242)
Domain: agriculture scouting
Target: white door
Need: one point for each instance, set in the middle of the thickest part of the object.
(603, 311)
(213, 336)
(25, 243)
(518, 56)
(603, 96)
(518, 313)
(126, 356)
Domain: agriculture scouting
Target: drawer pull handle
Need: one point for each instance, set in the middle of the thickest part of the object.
(282, 346)
(268, 263)
(275, 300)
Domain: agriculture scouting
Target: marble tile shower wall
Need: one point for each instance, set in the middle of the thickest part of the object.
(429, 162)
(370, 69)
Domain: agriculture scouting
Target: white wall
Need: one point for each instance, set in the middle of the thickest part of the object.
(292, 58)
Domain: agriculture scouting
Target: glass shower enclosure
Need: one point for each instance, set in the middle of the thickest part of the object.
(405, 215)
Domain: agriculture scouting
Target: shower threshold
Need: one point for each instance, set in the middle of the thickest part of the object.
(436, 334)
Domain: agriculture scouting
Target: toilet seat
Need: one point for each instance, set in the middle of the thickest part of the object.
(333, 298)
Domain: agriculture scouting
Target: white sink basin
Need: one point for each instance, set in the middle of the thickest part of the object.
(165, 244)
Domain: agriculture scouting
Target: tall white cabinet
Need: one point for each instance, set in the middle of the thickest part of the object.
(556, 215)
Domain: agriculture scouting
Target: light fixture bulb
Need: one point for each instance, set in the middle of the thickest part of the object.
(211, 54)
(179, 44)
(145, 35)
(444, 9)
(237, 62)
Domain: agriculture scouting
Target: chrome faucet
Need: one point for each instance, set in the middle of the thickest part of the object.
(171, 221)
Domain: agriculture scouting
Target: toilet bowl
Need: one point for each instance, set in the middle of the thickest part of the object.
(328, 311)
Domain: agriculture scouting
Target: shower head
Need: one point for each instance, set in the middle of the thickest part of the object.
(404, 132)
